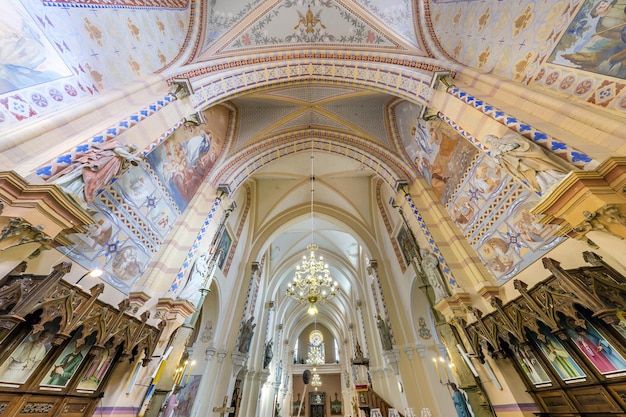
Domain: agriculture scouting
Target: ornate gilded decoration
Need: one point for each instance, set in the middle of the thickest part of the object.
(19, 232)
(589, 201)
(309, 21)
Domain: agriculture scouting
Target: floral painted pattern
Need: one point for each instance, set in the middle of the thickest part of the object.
(321, 21)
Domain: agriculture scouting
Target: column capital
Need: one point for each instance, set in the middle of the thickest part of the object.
(392, 357)
(210, 353)
(239, 360)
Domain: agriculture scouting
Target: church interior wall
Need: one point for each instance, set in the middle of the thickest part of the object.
(529, 42)
(540, 31)
(124, 41)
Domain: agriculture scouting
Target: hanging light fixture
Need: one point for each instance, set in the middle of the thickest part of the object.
(316, 381)
(312, 283)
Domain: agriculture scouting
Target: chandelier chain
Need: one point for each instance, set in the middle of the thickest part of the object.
(312, 282)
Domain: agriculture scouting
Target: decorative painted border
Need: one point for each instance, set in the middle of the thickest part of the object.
(110, 133)
(192, 38)
(242, 165)
(563, 150)
(431, 242)
(118, 4)
(399, 81)
(194, 247)
(388, 227)
(428, 35)
(606, 92)
(242, 221)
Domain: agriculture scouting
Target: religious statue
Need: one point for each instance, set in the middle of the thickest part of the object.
(526, 160)
(267, 359)
(246, 335)
(358, 353)
(430, 266)
(385, 333)
(460, 403)
(197, 277)
(89, 173)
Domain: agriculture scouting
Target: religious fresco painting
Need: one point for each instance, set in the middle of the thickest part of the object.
(134, 215)
(187, 396)
(27, 356)
(600, 352)
(489, 207)
(69, 361)
(110, 245)
(28, 58)
(595, 40)
(558, 357)
(182, 162)
(443, 156)
(146, 198)
(530, 364)
(504, 233)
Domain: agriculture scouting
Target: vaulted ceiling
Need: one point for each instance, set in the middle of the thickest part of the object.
(242, 26)
(344, 188)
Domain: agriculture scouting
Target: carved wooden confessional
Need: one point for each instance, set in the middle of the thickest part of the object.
(566, 337)
(59, 344)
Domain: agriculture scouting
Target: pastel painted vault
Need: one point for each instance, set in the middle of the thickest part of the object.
(134, 215)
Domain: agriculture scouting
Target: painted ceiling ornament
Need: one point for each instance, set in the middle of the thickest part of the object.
(309, 21)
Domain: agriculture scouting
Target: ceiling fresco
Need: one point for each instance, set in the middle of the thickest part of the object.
(396, 14)
(294, 22)
(61, 51)
(563, 45)
(222, 15)
(249, 25)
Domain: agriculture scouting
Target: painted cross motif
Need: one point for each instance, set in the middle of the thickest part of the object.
(223, 410)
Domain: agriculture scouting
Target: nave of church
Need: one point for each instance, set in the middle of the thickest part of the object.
(312, 208)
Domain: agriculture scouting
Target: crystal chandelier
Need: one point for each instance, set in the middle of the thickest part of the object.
(316, 381)
(312, 283)
(315, 357)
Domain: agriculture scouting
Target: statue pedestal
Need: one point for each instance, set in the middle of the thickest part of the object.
(239, 360)
(392, 357)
